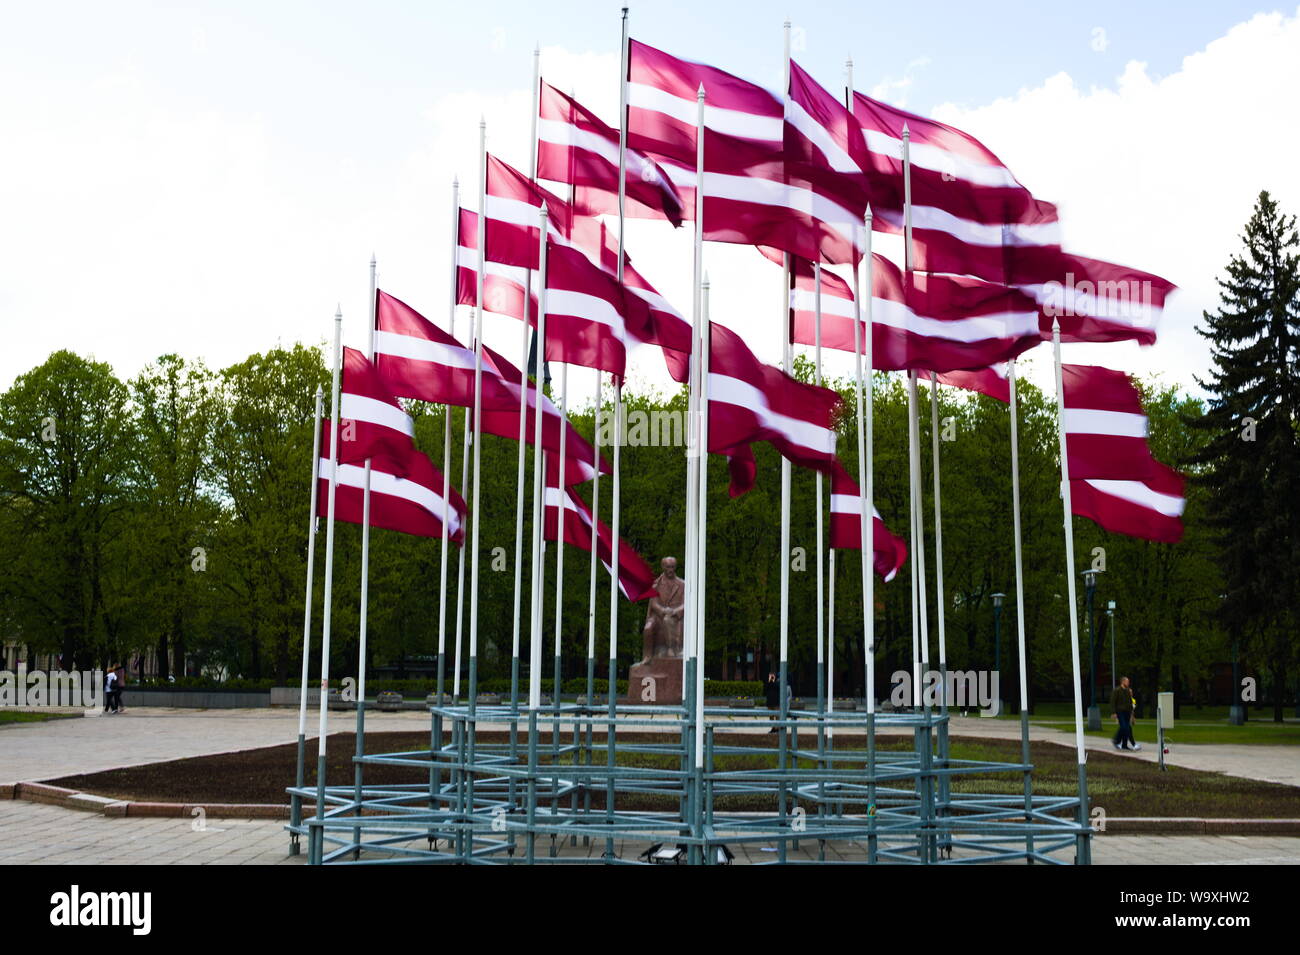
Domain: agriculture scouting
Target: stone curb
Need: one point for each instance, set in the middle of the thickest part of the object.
(1183, 826)
(107, 806)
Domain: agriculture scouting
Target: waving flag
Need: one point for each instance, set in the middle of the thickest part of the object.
(750, 401)
(503, 285)
(993, 381)
(635, 578)
(1105, 426)
(416, 359)
(1151, 508)
(405, 493)
(511, 208)
(1094, 301)
(505, 423)
(575, 147)
(589, 317)
(748, 196)
(371, 422)
(970, 216)
(938, 322)
(889, 552)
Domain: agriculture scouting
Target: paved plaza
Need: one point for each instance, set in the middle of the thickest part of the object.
(36, 833)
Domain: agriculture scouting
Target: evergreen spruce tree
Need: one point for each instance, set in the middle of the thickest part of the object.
(1251, 465)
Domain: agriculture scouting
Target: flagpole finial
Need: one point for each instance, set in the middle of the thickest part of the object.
(319, 392)
(1056, 325)
(625, 13)
(338, 312)
(700, 93)
(868, 217)
(906, 132)
(373, 262)
(455, 182)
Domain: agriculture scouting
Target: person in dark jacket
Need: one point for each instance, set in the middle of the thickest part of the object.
(1121, 702)
(772, 697)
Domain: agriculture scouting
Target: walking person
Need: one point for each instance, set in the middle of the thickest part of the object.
(110, 691)
(1121, 702)
(121, 685)
(772, 697)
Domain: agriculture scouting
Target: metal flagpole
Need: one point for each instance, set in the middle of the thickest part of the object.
(618, 442)
(536, 631)
(295, 803)
(365, 594)
(460, 568)
(476, 442)
(942, 730)
(446, 445)
(1020, 605)
(523, 417)
(787, 365)
(1083, 849)
(316, 841)
(700, 559)
(559, 551)
(821, 556)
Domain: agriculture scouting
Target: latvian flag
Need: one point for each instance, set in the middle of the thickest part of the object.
(889, 551)
(1105, 426)
(1151, 508)
(994, 381)
(635, 578)
(406, 493)
(371, 422)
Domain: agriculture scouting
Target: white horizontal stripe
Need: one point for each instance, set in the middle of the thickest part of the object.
(1121, 424)
(1138, 493)
(374, 411)
(467, 258)
(983, 233)
(1001, 325)
(1124, 305)
(559, 133)
(770, 193)
(850, 504)
(821, 137)
(581, 305)
(421, 349)
(806, 300)
(729, 121)
(381, 482)
(805, 434)
(937, 159)
(654, 300)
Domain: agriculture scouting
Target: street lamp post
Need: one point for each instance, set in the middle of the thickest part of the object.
(1094, 711)
(1110, 612)
(997, 644)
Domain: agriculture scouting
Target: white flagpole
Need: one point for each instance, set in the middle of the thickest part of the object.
(618, 443)
(700, 557)
(1082, 845)
(536, 631)
(920, 622)
(1020, 600)
(821, 555)
(460, 568)
(559, 544)
(830, 639)
(446, 444)
(315, 846)
(938, 541)
(300, 778)
(595, 510)
(787, 365)
(365, 588)
(523, 415)
(476, 440)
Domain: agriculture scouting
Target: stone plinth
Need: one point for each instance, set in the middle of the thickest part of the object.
(666, 686)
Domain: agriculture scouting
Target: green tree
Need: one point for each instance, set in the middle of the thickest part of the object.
(1251, 465)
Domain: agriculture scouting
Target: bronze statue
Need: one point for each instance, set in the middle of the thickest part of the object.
(662, 636)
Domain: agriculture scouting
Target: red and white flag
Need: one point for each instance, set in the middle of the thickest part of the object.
(503, 285)
(938, 322)
(1094, 301)
(994, 381)
(416, 359)
(635, 578)
(1105, 426)
(504, 423)
(511, 208)
(969, 213)
(889, 552)
(575, 147)
(748, 196)
(1151, 508)
(590, 318)
(750, 401)
(371, 421)
(405, 493)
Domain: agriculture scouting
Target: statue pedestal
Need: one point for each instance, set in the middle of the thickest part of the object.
(659, 681)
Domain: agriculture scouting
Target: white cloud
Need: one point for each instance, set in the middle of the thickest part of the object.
(1160, 173)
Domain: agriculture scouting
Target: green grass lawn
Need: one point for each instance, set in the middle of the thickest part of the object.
(1144, 731)
(20, 716)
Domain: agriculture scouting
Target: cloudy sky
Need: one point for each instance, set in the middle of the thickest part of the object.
(212, 179)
